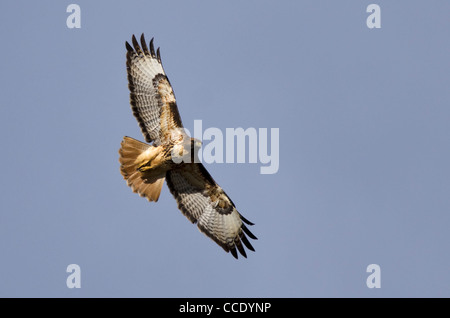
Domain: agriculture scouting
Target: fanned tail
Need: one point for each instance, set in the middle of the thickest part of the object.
(146, 184)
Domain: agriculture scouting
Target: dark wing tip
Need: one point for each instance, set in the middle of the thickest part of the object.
(136, 45)
(241, 249)
(247, 231)
(128, 46)
(158, 55)
(245, 220)
(247, 243)
(142, 48)
(144, 45)
(152, 48)
(234, 253)
(240, 243)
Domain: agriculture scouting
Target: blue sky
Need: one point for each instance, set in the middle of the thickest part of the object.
(363, 116)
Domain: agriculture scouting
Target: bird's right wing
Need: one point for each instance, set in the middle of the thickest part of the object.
(204, 202)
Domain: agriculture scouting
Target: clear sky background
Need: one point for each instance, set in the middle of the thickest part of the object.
(364, 174)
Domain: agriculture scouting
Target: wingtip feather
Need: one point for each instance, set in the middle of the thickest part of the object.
(247, 231)
(158, 55)
(247, 243)
(128, 46)
(152, 48)
(136, 45)
(234, 253)
(144, 45)
(241, 249)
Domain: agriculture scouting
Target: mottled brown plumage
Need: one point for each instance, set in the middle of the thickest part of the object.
(171, 153)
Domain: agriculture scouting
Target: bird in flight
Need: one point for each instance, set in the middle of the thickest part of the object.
(172, 155)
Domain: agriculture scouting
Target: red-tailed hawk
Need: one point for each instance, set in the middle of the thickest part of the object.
(173, 155)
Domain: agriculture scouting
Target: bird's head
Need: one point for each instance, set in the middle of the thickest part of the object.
(196, 144)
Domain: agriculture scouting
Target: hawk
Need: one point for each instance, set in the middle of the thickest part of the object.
(172, 155)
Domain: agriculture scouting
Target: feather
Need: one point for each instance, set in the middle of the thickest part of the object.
(144, 45)
(158, 55)
(152, 48)
(136, 45)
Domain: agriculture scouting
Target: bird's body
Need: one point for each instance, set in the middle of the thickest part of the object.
(173, 155)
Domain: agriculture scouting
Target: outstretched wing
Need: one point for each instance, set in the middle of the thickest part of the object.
(204, 202)
(151, 95)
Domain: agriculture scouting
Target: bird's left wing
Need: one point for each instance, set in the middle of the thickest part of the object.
(204, 202)
(151, 95)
